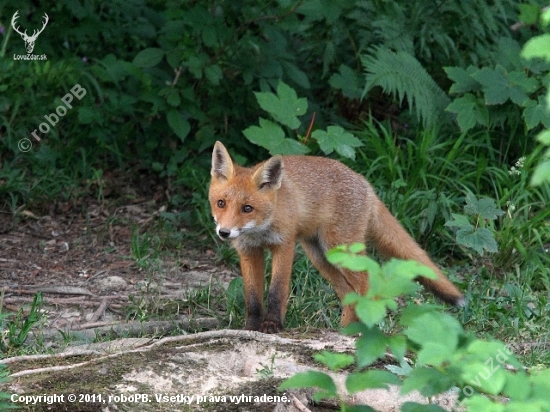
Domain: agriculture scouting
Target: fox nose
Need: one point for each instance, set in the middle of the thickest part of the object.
(224, 233)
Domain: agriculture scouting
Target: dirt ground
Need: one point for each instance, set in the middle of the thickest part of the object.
(223, 370)
(82, 263)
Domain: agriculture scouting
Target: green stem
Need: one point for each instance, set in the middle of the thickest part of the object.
(5, 42)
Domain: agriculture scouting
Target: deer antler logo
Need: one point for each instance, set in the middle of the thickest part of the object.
(29, 40)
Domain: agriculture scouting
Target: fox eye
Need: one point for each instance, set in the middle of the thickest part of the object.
(247, 209)
(221, 203)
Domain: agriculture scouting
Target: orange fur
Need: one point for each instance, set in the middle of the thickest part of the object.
(316, 201)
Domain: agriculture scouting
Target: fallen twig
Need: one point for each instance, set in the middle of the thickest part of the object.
(99, 312)
(299, 405)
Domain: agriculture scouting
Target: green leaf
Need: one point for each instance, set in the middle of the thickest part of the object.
(500, 85)
(520, 84)
(373, 379)
(470, 112)
(288, 147)
(311, 379)
(352, 298)
(210, 35)
(460, 221)
(266, 134)
(328, 57)
(396, 279)
(398, 346)
(479, 240)
(285, 106)
(544, 137)
(428, 381)
(529, 13)
(214, 74)
(413, 312)
(357, 247)
(360, 408)
(370, 346)
(478, 403)
(398, 275)
(420, 407)
(85, 115)
(334, 361)
(336, 138)
(541, 173)
(545, 17)
(172, 96)
(486, 207)
(297, 75)
(357, 263)
(541, 383)
(403, 370)
(488, 376)
(406, 269)
(271, 136)
(178, 124)
(463, 80)
(531, 405)
(517, 386)
(370, 312)
(148, 57)
(349, 82)
(195, 66)
(537, 47)
(345, 256)
(434, 351)
(536, 113)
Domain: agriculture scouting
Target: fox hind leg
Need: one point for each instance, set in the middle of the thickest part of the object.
(343, 280)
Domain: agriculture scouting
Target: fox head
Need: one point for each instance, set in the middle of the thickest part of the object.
(243, 199)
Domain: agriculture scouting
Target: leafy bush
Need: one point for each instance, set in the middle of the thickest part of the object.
(164, 80)
(477, 236)
(285, 107)
(456, 359)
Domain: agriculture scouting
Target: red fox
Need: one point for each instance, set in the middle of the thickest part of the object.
(316, 201)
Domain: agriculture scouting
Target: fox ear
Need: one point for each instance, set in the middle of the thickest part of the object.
(270, 173)
(222, 165)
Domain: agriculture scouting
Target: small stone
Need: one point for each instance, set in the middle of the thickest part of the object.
(112, 283)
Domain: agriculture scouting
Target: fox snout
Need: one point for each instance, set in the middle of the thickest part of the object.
(223, 233)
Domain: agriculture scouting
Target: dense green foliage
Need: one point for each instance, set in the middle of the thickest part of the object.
(441, 105)
(164, 79)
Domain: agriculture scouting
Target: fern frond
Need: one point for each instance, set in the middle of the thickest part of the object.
(400, 74)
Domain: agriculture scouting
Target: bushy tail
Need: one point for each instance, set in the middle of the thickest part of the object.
(392, 240)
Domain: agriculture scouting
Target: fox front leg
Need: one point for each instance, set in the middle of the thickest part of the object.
(279, 290)
(252, 269)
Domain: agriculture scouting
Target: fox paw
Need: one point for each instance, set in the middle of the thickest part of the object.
(253, 323)
(269, 326)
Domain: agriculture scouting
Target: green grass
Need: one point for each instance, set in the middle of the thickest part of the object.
(16, 327)
(313, 302)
